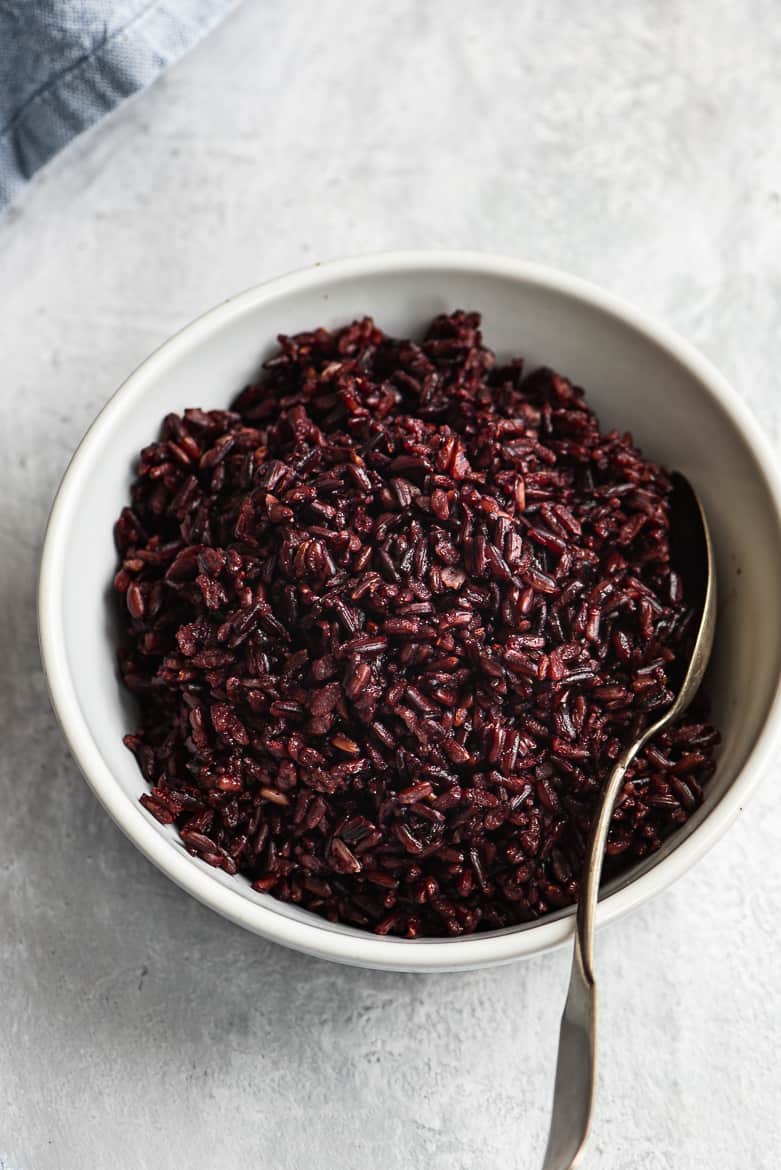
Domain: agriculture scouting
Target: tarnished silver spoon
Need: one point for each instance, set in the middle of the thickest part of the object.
(573, 1095)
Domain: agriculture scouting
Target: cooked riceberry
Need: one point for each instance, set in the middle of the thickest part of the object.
(388, 622)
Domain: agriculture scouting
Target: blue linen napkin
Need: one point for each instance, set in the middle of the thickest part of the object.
(66, 63)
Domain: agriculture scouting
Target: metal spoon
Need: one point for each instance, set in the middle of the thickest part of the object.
(573, 1096)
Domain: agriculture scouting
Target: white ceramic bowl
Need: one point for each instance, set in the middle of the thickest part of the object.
(639, 376)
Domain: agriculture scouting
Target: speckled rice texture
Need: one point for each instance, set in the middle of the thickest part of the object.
(389, 621)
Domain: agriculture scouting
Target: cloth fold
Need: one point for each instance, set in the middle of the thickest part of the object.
(66, 63)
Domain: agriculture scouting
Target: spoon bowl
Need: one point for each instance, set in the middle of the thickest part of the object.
(691, 552)
(645, 380)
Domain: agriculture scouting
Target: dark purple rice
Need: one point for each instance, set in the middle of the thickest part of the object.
(389, 621)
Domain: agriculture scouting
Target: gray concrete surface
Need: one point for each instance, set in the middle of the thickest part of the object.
(636, 145)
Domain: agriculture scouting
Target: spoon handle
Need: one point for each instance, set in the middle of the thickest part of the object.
(573, 1094)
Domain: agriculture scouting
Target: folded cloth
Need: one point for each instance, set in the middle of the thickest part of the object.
(66, 63)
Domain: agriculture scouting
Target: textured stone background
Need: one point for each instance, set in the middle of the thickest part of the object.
(636, 145)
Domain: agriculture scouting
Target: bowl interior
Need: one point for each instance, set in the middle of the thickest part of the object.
(633, 382)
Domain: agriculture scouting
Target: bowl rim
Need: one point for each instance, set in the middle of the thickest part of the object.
(314, 938)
